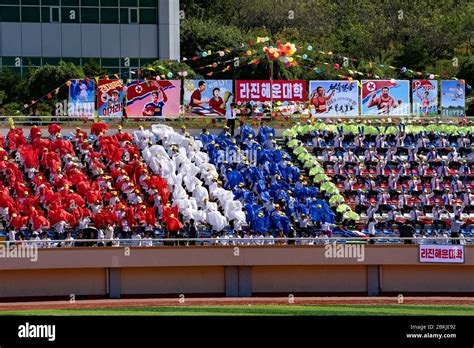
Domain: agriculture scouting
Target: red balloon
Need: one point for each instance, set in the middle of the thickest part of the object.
(336, 66)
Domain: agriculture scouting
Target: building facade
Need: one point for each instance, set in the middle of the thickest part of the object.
(118, 34)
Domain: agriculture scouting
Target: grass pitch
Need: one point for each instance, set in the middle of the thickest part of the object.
(257, 310)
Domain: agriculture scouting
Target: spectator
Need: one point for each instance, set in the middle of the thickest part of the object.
(109, 234)
(101, 236)
(68, 241)
(269, 239)
(407, 231)
(78, 242)
(230, 116)
(442, 238)
(193, 233)
(422, 240)
(147, 241)
(137, 239)
(45, 240)
(116, 241)
(282, 238)
(36, 239)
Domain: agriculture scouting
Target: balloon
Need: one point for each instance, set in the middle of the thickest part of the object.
(336, 66)
(157, 78)
(214, 65)
(249, 53)
(404, 69)
(278, 103)
(286, 59)
(276, 55)
(204, 54)
(169, 75)
(221, 53)
(239, 103)
(304, 56)
(290, 59)
(185, 73)
(252, 102)
(265, 49)
(209, 52)
(310, 48)
(431, 76)
(271, 50)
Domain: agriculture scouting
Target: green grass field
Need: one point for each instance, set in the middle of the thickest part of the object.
(258, 310)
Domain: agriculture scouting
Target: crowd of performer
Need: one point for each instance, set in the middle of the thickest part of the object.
(110, 185)
(96, 185)
(422, 178)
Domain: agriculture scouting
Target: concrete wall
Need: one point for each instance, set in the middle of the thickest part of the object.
(225, 271)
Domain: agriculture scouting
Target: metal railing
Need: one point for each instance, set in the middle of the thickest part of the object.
(231, 241)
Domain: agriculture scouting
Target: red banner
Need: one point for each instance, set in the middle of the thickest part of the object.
(266, 90)
(372, 86)
(110, 98)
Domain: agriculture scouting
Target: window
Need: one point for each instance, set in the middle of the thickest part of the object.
(45, 14)
(148, 3)
(147, 16)
(109, 15)
(29, 2)
(89, 2)
(128, 3)
(30, 14)
(50, 2)
(51, 61)
(9, 2)
(124, 15)
(133, 15)
(55, 15)
(32, 61)
(90, 15)
(9, 14)
(109, 3)
(110, 62)
(69, 2)
(76, 61)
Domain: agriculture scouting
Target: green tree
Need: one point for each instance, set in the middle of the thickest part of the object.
(48, 77)
(92, 69)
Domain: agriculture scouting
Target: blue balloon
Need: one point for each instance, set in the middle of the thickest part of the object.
(310, 48)
(304, 56)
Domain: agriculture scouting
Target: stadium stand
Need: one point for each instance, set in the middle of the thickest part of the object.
(392, 175)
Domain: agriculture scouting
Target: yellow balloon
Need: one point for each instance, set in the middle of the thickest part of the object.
(271, 51)
(276, 55)
(290, 59)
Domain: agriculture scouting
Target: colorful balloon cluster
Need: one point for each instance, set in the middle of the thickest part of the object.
(283, 52)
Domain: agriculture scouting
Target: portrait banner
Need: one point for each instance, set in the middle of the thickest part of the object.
(334, 98)
(385, 98)
(207, 97)
(153, 98)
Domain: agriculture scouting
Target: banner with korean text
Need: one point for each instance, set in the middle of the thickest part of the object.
(266, 90)
(442, 253)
